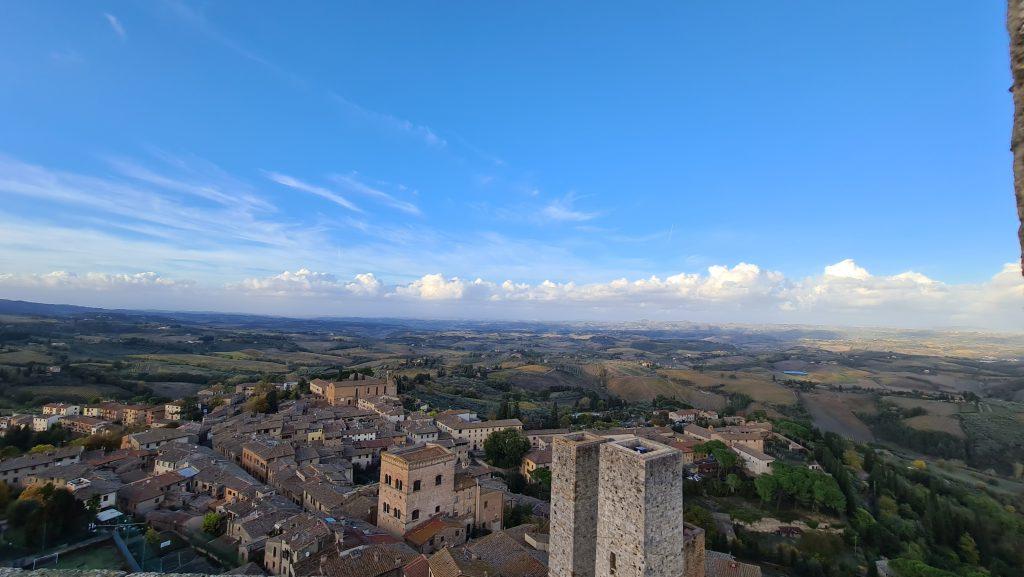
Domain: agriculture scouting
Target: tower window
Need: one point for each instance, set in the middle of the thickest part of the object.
(416, 485)
(611, 563)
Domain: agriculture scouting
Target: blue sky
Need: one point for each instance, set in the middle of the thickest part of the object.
(217, 145)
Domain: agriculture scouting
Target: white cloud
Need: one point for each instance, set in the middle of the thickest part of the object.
(434, 287)
(91, 281)
(294, 183)
(305, 282)
(116, 25)
(563, 210)
(846, 269)
(390, 122)
(355, 185)
(741, 293)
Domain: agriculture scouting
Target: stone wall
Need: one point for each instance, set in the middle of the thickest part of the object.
(1015, 27)
(640, 510)
(693, 552)
(575, 462)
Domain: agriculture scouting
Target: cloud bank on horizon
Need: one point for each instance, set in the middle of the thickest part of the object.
(844, 293)
(179, 155)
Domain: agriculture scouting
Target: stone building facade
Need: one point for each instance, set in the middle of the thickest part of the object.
(357, 386)
(416, 483)
(640, 510)
(574, 502)
(616, 508)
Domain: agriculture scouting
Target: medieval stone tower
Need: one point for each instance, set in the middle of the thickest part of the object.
(640, 510)
(575, 459)
(616, 508)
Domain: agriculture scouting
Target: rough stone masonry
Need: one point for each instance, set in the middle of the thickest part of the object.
(616, 508)
(1015, 26)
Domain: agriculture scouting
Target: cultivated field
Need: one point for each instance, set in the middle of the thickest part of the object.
(835, 412)
(217, 363)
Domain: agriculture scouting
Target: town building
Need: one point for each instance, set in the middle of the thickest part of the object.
(14, 471)
(155, 438)
(754, 462)
(466, 425)
(61, 409)
(357, 386)
(416, 482)
(84, 425)
(535, 459)
(42, 423)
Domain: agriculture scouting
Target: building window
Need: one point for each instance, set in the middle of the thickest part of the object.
(485, 504)
(398, 513)
(437, 509)
(437, 480)
(387, 507)
(398, 484)
(611, 563)
(416, 485)
(415, 514)
(387, 479)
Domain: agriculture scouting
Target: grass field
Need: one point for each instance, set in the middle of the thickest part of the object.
(758, 385)
(24, 357)
(942, 423)
(215, 362)
(835, 412)
(533, 369)
(102, 556)
(71, 392)
(939, 408)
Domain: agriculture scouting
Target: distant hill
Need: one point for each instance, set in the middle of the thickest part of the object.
(9, 307)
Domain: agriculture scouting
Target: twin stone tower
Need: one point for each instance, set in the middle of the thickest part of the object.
(616, 508)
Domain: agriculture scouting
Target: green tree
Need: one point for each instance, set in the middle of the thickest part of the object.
(153, 537)
(272, 400)
(213, 524)
(766, 486)
(969, 549)
(733, 481)
(552, 422)
(721, 452)
(505, 449)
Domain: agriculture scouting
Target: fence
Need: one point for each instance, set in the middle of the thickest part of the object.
(55, 555)
(128, 557)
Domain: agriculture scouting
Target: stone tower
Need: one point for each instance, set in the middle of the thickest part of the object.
(640, 510)
(575, 460)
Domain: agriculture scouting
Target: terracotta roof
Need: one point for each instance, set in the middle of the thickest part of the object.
(158, 436)
(539, 456)
(420, 453)
(418, 567)
(425, 531)
(35, 459)
(458, 563)
(454, 422)
(724, 565)
(365, 561)
(507, 555)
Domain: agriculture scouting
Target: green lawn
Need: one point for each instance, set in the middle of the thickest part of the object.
(102, 556)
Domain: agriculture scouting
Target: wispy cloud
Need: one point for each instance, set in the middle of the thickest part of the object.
(116, 25)
(66, 57)
(355, 185)
(563, 209)
(390, 122)
(296, 184)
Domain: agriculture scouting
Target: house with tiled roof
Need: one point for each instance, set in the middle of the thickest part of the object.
(535, 459)
(295, 538)
(376, 560)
